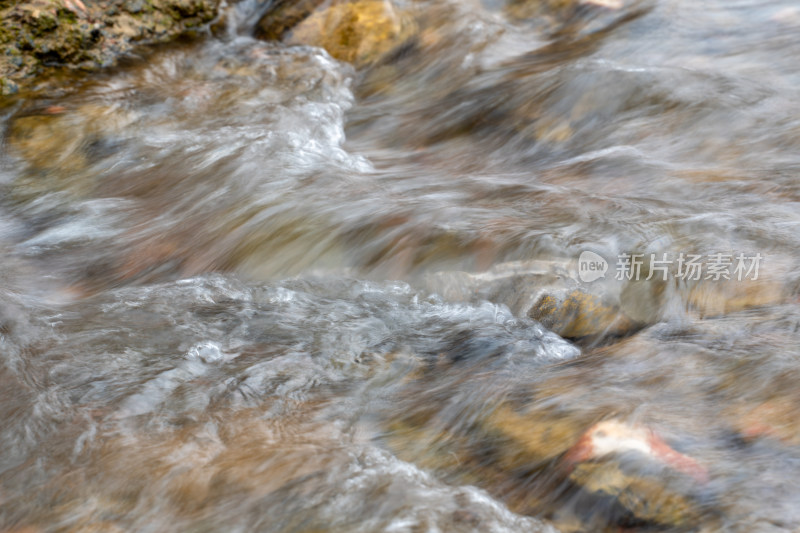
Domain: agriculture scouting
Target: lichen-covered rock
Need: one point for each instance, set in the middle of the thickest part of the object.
(362, 32)
(40, 35)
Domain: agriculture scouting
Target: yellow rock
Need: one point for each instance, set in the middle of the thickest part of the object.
(579, 314)
(530, 438)
(361, 33)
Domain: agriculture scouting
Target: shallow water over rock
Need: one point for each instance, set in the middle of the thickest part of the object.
(523, 266)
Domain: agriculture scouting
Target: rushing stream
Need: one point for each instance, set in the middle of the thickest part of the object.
(531, 268)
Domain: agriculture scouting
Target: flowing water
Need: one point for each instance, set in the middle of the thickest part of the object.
(249, 287)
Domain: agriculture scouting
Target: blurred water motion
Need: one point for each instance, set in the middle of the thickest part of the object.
(261, 285)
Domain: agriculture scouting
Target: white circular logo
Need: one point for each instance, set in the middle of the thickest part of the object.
(591, 267)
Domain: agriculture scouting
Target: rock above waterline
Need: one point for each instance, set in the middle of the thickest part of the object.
(362, 32)
(41, 36)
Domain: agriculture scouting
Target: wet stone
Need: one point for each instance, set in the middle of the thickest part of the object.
(58, 146)
(625, 481)
(283, 16)
(578, 314)
(362, 32)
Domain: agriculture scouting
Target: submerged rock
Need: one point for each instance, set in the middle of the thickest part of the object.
(546, 291)
(58, 146)
(58, 138)
(578, 314)
(552, 293)
(776, 418)
(719, 298)
(524, 9)
(633, 500)
(614, 474)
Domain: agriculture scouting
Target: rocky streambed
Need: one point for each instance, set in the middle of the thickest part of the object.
(399, 266)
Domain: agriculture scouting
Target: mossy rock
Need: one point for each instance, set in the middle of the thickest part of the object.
(8, 87)
(45, 37)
